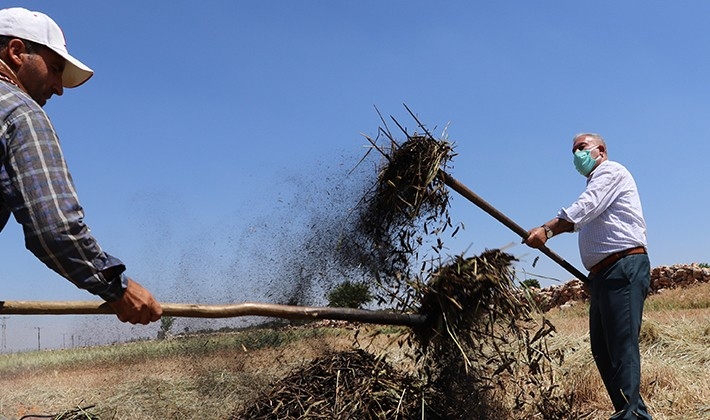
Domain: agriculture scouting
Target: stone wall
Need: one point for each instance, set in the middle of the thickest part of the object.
(678, 275)
(662, 277)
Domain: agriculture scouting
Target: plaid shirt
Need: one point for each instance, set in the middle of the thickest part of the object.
(36, 187)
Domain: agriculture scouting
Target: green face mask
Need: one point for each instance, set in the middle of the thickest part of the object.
(583, 161)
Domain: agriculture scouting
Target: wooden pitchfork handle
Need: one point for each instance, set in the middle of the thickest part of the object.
(191, 310)
(475, 199)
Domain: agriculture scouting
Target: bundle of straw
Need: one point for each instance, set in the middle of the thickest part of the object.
(464, 300)
(408, 202)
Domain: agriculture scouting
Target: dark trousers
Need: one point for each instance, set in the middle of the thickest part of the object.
(616, 308)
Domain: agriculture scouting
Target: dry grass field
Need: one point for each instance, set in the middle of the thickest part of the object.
(212, 376)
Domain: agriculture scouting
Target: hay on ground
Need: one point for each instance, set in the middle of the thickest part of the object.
(345, 385)
(79, 413)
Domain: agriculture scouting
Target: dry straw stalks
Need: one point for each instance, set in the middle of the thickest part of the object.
(79, 413)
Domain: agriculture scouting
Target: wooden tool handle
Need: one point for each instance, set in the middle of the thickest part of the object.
(191, 310)
(480, 202)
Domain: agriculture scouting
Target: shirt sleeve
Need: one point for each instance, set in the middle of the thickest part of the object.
(602, 189)
(38, 189)
(4, 215)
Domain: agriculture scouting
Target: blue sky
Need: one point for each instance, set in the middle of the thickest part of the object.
(212, 131)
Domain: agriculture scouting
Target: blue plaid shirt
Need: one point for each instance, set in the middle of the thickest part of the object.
(36, 187)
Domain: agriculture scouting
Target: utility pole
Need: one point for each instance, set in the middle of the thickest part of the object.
(39, 347)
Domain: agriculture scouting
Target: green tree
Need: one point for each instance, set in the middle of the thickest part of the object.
(527, 283)
(350, 295)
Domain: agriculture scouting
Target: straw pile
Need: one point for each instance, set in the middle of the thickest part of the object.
(473, 308)
(345, 385)
(483, 349)
(465, 299)
(477, 358)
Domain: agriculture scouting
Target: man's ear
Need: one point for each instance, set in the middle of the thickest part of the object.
(600, 148)
(15, 49)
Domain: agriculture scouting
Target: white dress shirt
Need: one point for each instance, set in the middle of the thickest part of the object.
(608, 214)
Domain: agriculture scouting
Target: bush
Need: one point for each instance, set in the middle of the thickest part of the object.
(166, 324)
(528, 283)
(350, 295)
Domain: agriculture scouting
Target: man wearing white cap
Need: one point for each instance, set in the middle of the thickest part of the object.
(35, 185)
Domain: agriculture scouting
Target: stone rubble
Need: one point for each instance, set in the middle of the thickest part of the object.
(662, 277)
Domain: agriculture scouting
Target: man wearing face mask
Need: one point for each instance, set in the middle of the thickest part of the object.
(612, 245)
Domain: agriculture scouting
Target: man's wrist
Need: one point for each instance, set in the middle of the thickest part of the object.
(116, 288)
(548, 231)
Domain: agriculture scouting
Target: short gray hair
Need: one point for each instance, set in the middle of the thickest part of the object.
(599, 139)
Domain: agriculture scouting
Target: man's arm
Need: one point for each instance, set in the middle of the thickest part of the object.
(36, 185)
(537, 237)
(4, 215)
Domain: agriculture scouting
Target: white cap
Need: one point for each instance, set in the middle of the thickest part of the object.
(40, 28)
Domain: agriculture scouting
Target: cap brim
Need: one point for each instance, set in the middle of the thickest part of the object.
(75, 73)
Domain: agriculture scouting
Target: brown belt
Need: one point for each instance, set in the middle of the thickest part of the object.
(611, 259)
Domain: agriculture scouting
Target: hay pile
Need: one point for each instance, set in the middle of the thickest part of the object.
(344, 385)
(479, 357)
(483, 347)
(472, 306)
(465, 299)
